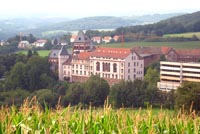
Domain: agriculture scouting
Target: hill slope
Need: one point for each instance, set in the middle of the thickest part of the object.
(38, 26)
(179, 24)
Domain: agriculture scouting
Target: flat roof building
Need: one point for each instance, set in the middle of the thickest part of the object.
(172, 74)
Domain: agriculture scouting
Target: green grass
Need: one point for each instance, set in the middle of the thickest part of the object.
(31, 119)
(187, 35)
(41, 53)
(177, 45)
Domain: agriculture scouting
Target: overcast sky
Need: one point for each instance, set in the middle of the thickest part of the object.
(86, 8)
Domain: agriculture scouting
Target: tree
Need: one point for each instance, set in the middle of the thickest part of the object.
(97, 90)
(17, 77)
(128, 94)
(29, 54)
(188, 95)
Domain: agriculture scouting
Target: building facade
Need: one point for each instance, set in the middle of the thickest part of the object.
(112, 64)
(172, 74)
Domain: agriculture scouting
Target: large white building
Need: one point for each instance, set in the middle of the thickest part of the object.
(112, 64)
(172, 74)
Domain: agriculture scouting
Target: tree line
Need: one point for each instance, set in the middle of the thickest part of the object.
(30, 76)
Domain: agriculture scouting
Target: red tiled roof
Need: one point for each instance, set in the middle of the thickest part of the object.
(96, 38)
(84, 55)
(116, 37)
(188, 52)
(147, 50)
(107, 38)
(165, 49)
(111, 52)
(73, 36)
(41, 41)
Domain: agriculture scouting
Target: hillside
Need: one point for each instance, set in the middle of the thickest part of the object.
(179, 24)
(40, 25)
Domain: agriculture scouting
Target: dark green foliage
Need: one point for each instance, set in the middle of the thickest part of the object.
(15, 97)
(29, 53)
(188, 96)
(97, 89)
(128, 93)
(94, 91)
(33, 75)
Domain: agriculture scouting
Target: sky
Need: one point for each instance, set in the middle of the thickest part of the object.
(87, 8)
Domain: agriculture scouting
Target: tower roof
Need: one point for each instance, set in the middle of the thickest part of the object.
(81, 37)
(63, 51)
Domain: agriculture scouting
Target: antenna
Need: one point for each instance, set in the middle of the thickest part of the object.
(122, 39)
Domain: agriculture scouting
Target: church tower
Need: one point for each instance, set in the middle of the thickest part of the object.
(62, 57)
(82, 43)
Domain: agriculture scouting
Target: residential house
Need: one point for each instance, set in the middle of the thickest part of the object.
(96, 39)
(39, 43)
(107, 39)
(24, 45)
(117, 38)
(72, 39)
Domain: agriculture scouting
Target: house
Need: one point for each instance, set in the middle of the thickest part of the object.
(184, 55)
(112, 64)
(3, 43)
(72, 39)
(24, 45)
(106, 39)
(96, 39)
(172, 74)
(116, 38)
(39, 43)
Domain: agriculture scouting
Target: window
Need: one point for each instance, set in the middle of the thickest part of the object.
(79, 38)
(106, 67)
(128, 70)
(97, 66)
(76, 66)
(80, 66)
(76, 71)
(80, 72)
(122, 77)
(64, 72)
(134, 70)
(128, 77)
(114, 67)
(122, 64)
(84, 72)
(129, 64)
(116, 76)
(134, 63)
(122, 70)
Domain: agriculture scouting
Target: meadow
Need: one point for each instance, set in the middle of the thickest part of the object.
(176, 45)
(187, 35)
(30, 118)
(41, 53)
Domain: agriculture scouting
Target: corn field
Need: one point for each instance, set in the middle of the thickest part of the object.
(30, 118)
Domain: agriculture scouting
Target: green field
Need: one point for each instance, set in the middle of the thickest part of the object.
(42, 53)
(177, 45)
(31, 119)
(187, 35)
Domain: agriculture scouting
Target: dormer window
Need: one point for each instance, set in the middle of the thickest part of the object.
(79, 38)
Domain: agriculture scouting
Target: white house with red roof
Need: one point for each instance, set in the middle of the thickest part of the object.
(96, 39)
(107, 39)
(116, 38)
(39, 43)
(73, 37)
